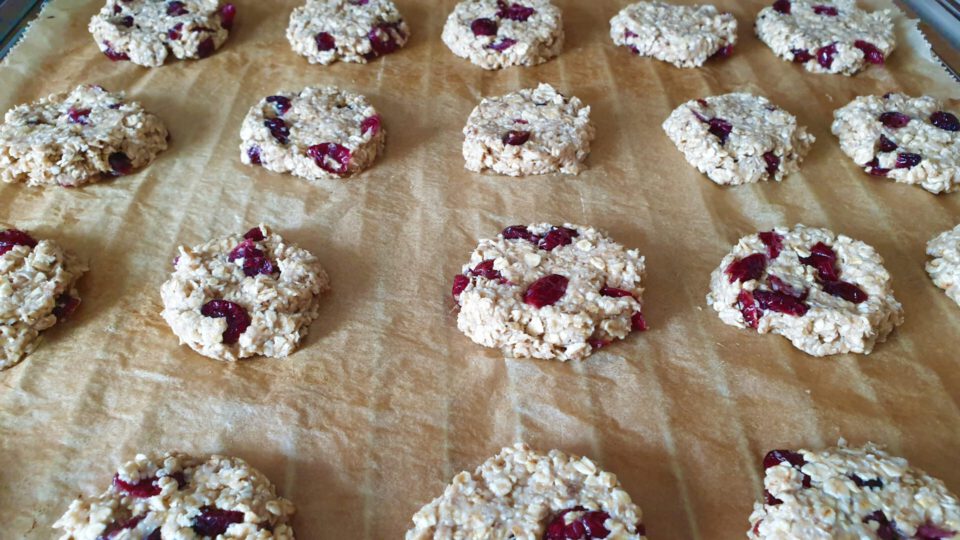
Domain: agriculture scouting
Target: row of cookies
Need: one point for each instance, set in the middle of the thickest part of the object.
(520, 493)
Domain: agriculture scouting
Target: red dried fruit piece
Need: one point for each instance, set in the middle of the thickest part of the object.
(254, 234)
(513, 11)
(720, 128)
(823, 258)
(546, 291)
(331, 157)
(747, 268)
(774, 243)
(894, 120)
(254, 154)
(825, 55)
(175, 9)
(514, 232)
(485, 269)
(112, 54)
(174, 33)
(770, 500)
(597, 343)
(127, 21)
(370, 123)
(65, 306)
(325, 42)
(205, 48)
(280, 103)
(11, 238)
(886, 529)
(484, 27)
(278, 128)
(254, 260)
(144, 488)
(929, 531)
(460, 283)
(637, 322)
(780, 302)
(155, 535)
(502, 45)
(870, 51)
(778, 285)
(615, 293)
(723, 52)
(227, 15)
(872, 483)
(782, 6)
(907, 160)
(776, 457)
(801, 56)
(114, 528)
(516, 138)
(846, 290)
(873, 167)
(629, 34)
(588, 525)
(944, 120)
(886, 145)
(385, 38)
(748, 308)
(829, 11)
(557, 237)
(237, 318)
(120, 163)
(213, 521)
(773, 163)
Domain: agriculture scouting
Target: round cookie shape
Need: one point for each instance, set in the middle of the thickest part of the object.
(738, 138)
(495, 34)
(325, 31)
(550, 292)
(944, 265)
(851, 493)
(146, 32)
(827, 36)
(526, 495)
(175, 495)
(531, 131)
(909, 140)
(685, 36)
(37, 290)
(243, 295)
(320, 133)
(826, 293)
(77, 138)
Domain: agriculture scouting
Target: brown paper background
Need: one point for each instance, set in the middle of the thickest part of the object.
(386, 400)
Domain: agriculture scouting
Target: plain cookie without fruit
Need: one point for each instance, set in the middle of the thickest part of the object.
(495, 34)
(944, 265)
(325, 31)
(525, 495)
(240, 296)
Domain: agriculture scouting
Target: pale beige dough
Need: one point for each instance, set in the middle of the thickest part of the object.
(944, 264)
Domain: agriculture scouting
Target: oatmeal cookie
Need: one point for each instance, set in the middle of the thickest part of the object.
(495, 34)
(325, 31)
(944, 266)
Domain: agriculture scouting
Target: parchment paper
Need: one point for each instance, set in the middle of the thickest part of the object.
(386, 400)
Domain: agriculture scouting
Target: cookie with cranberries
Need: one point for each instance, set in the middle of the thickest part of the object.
(847, 492)
(78, 138)
(826, 293)
(495, 34)
(551, 292)
(319, 133)
(243, 295)
(738, 138)
(530, 131)
(944, 264)
(325, 31)
(911, 140)
(175, 495)
(685, 36)
(147, 32)
(522, 493)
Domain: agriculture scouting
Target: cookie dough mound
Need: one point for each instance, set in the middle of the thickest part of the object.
(738, 138)
(531, 131)
(827, 36)
(76, 138)
(910, 140)
(37, 289)
(522, 494)
(495, 34)
(240, 296)
(322, 132)
(944, 267)
(175, 495)
(325, 31)
(147, 31)
(850, 493)
(826, 293)
(550, 292)
(685, 36)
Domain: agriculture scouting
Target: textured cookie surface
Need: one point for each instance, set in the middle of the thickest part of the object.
(550, 292)
(77, 138)
(909, 140)
(685, 36)
(243, 295)
(826, 293)
(944, 265)
(37, 289)
(826, 36)
(531, 131)
(322, 132)
(178, 496)
(526, 495)
(146, 32)
(738, 138)
(495, 34)
(325, 31)
(851, 493)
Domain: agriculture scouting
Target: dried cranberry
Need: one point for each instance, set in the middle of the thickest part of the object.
(872, 483)
(825, 55)
(720, 128)
(514, 232)
(280, 103)
(174, 33)
(846, 290)
(237, 318)
(823, 258)
(773, 163)
(385, 38)
(254, 154)
(929, 531)
(637, 322)
(371, 124)
(894, 120)
(780, 302)
(254, 260)
(127, 21)
(175, 9)
(65, 306)
(907, 160)
(774, 243)
(205, 48)
(278, 128)
(886, 529)
(144, 488)
(112, 54)
(870, 51)
(213, 521)
(114, 528)
(484, 27)
(629, 34)
(830, 11)
(513, 11)
(120, 163)
(546, 291)
(516, 138)
(944, 120)
(886, 145)
(873, 167)
(155, 535)
(325, 42)
(748, 308)
(782, 6)
(557, 237)
(502, 45)
(227, 14)
(597, 343)
(331, 157)
(770, 500)
(485, 270)
(254, 234)
(723, 52)
(778, 285)
(776, 457)
(614, 293)
(588, 525)
(801, 56)
(460, 283)
(11, 238)
(747, 268)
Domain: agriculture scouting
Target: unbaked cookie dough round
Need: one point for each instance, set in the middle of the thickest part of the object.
(495, 34)
(944, 265)
(827, 36)
(322, 132)
(826, 293)
(325, 31)
(909, 140)
(175, 495)
(738, 138)
(685, 36)
(78, 138)
(531, 131)
(243, 295)
(526, 495)
(37, 290)
(146, 32)
(550, 292)
(850, 493)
